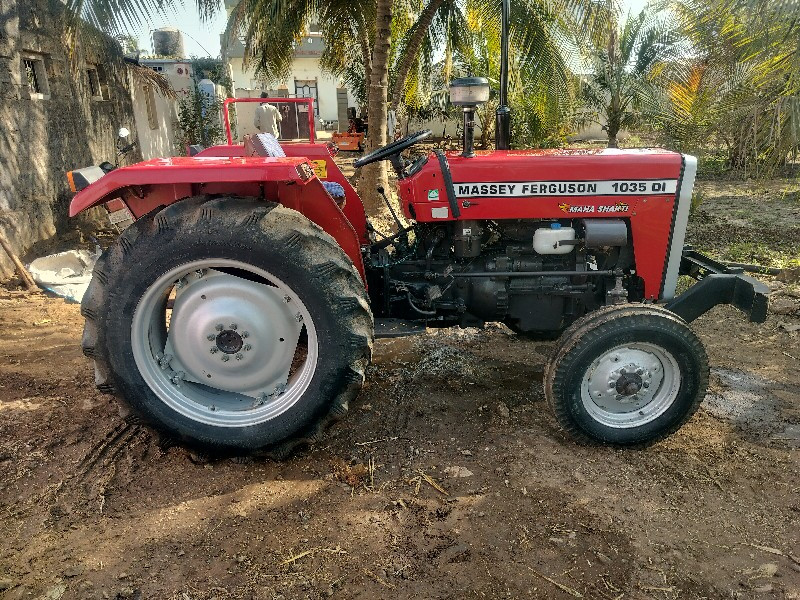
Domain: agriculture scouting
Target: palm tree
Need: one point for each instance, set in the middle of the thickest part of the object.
(739, 87)
(357, 32)
(623, 85)
(362, 47)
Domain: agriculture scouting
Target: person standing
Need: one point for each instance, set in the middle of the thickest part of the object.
(267, 118)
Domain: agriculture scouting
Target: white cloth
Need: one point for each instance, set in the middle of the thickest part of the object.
(267, 119)
(66, 274)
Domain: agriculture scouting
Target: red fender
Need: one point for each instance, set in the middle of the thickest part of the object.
(162, 181)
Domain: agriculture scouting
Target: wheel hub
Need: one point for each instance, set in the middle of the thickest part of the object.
(229, 341)
(232, 334)
(630, 385)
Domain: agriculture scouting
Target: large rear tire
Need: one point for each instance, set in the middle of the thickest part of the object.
(229, 323)
(626, 375)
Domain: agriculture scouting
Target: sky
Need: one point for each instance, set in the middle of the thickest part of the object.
(202, 39)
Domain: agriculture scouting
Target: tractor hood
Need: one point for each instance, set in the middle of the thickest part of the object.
(649, 189)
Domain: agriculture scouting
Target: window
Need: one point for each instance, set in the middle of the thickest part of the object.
(98, 82)
(150, 104)
(307, 88)
(94, 83)
(157, 68)
(35, 76)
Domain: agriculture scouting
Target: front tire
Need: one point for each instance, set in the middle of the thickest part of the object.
(626, 375)
(229, 323)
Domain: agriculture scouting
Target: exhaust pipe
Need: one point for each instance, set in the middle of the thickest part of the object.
(503, 115)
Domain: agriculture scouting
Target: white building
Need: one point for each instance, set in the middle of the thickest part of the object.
(155, 114)
(306, 80)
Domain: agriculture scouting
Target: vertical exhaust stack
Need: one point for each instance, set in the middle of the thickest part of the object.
(503, 129)
(469, 93)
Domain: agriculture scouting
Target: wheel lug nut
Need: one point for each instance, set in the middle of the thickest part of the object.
(239, 356)
(213, 349)
(245, 334)
(247, 347)
(234, 326)
(211, 337)
(645, 385)
(639, 371)
(225, 358)
(219, 327)
(287, 299)
(299, 317)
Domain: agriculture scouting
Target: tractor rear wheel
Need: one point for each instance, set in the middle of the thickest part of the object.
(626, 375)
(229, 323)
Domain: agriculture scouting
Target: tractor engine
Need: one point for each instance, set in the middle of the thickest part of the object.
(533, 275)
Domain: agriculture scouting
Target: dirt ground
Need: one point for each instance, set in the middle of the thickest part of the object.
(449, 478)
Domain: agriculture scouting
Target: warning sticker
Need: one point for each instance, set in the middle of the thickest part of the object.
(433, 194)
(320, 168)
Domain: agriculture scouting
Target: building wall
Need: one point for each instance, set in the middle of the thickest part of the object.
(155, 132)
(42, 136)
(177, 71)
(157, 135)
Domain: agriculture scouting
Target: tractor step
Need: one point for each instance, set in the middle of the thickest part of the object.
(392, 328)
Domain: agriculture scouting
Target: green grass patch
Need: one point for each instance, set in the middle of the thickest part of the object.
(757, 253)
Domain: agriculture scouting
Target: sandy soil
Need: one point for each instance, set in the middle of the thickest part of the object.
(449, 479)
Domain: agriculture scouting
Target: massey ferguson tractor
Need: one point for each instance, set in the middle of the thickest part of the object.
(238, 308)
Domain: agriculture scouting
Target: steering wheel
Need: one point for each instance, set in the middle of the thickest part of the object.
(396, 147)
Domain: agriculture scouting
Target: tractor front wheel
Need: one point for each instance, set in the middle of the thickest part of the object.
(626, 375)
(229, 323)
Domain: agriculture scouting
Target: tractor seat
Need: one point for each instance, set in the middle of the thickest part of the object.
(263, 144)
(266, 144)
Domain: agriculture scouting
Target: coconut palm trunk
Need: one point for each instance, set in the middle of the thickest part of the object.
(375, 175)
(411, 50)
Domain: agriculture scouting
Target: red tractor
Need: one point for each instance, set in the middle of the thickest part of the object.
(239, 307)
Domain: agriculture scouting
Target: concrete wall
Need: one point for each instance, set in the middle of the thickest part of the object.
(42, 136)
(156, 137)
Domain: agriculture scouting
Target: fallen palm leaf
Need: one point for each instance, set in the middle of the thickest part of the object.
(768, 549)
(378, 579)
(561, 586)
(423, 476)
(296, 557)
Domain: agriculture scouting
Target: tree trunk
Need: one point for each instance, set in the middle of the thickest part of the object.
(375, 175)
(411, 50)
(366, 54)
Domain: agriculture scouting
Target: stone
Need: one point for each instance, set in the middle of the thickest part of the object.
(74, 571)
(503, 410)
(458, 472)
(784, 306)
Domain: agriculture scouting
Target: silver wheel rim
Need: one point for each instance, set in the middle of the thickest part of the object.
(630, 385)
(226, 354)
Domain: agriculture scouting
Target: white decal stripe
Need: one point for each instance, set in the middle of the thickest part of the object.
(523, 189)
(679, 228)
